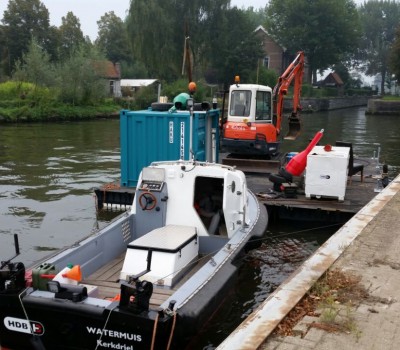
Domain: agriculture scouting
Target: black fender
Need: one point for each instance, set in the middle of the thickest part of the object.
(161, 107)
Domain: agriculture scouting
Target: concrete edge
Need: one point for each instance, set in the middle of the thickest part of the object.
(253, 331)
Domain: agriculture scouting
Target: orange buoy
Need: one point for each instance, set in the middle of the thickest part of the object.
(298, 163)
(192, 87)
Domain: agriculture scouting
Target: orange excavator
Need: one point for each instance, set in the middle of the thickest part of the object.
(255, 114)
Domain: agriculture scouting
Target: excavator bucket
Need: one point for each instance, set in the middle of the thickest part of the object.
(294, 128)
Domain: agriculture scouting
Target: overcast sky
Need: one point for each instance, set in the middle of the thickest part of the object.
(90, 11)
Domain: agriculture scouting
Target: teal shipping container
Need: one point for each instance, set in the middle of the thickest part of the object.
(147, 136)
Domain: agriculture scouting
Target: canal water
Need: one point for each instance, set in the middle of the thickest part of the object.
(48, 173)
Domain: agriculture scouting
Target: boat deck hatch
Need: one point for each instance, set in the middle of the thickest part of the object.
(170, 238)
(173, 248)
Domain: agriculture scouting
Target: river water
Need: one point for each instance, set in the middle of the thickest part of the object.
(48, 173)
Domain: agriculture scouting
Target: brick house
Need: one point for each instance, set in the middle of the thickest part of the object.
(276, 57)
(111, 72)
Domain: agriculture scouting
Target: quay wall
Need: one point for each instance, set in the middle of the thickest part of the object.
(328, 104)
(378, 106)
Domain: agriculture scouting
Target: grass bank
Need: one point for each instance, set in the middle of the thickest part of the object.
(26, 102)
(55, 112)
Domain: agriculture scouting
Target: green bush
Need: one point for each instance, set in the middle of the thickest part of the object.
(145, 97)
(264, 77)
(11, 90)
(18, 92)
(174, 89)
(390, 98)
(359, 92)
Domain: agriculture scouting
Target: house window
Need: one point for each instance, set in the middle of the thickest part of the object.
(112, 87)
(266, 62)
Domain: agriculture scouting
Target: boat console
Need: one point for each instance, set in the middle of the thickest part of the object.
(152, 179)
(151, 200)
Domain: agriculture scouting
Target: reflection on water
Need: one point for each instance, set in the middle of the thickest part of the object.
(285, 247)
(48, 172)
(366, 132)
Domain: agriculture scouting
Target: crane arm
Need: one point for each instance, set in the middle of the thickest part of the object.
(294, 72)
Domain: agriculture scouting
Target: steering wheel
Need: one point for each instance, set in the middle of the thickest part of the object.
(147, 201)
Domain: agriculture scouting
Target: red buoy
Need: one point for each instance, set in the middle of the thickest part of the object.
(298, 163)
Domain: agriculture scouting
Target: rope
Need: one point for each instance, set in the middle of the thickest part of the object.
(172, 331)
(154, 332)
(105, 325)
(39, 344)
(22, 305)
(107, 187)
(110, 186)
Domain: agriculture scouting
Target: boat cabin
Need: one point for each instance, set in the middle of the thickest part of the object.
(179, 215)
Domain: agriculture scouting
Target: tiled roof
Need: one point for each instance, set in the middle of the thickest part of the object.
(334, 78)
(107, 69)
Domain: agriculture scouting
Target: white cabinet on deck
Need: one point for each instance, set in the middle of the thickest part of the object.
(326, 172)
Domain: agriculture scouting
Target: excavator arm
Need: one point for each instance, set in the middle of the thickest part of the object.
(294, 72)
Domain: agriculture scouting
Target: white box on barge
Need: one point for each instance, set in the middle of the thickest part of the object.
(326, 172)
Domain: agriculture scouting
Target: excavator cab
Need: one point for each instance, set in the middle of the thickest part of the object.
(294, 127)
(255, 114)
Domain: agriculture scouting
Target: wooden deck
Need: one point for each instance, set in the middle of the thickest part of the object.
(107, 281)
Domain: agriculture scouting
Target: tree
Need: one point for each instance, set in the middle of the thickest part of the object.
(113, 38)
(35, 67)
(136, 69)
(3, 52)
(208, 37)
(71, 36)
(380, 20)
(326, 30)
(79, 82)
(256, 16)
(239, 49)
(24, 20)
(153, 43)
(394, 62)
(53, 44)
(160, 46)
(264, 76)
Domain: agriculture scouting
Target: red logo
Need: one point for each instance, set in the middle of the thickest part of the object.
(23, 326)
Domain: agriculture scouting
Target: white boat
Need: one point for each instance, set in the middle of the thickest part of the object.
(148, 280)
